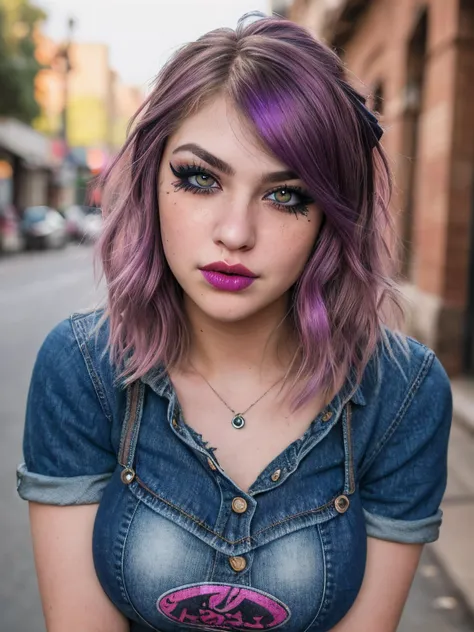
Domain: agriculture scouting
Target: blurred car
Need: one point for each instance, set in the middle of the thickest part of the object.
(11, 238)
(75, 222)
(43, 227)
(83, 223)
(93, 223)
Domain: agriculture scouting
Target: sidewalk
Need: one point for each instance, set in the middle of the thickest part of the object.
(455, 548)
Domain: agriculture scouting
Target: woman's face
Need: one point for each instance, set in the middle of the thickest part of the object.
(224, 201)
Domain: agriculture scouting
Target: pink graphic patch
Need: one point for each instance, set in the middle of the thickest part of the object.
(223, 607)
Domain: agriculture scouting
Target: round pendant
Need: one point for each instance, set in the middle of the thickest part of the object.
(238, 422)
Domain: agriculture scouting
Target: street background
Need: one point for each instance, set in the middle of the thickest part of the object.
(73, 72)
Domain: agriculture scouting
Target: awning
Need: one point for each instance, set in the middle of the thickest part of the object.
(25, 142)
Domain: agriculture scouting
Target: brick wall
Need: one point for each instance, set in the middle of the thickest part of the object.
(431, 146)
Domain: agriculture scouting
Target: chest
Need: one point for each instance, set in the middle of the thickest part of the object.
(173, 548)
(270, 427)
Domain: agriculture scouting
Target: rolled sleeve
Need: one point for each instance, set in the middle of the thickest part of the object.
(60, 490)
(403, 487)
(67, 447)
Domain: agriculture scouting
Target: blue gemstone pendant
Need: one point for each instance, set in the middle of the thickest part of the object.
(238, 422)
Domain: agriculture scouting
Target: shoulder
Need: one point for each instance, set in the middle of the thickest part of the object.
(401, 367)
(76, 352)
(407, 394)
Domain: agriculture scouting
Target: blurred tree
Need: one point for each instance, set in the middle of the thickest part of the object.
(18, 65)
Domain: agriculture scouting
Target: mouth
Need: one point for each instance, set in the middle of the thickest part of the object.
(224, 268)
(227, 278)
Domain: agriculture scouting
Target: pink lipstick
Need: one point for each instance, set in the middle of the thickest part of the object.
(228, 278)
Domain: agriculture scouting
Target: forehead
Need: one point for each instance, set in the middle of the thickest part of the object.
(224, 131)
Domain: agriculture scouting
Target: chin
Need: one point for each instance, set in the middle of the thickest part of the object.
(228, 307)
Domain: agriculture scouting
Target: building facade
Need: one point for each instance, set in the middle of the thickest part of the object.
(414, 59)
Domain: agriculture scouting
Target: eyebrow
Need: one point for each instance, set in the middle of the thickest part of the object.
(224, 167)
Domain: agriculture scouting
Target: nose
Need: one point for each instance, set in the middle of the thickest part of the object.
(235, 227)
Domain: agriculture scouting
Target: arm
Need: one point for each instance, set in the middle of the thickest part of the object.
(71, 595)
(389, 573)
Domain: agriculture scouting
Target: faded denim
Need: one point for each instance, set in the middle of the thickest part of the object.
(371, 464)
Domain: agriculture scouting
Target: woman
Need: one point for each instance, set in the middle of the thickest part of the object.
(258, 449)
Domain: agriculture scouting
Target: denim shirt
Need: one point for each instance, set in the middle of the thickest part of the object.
(177, 545)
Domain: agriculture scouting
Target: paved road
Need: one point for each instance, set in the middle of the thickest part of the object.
(36, 291)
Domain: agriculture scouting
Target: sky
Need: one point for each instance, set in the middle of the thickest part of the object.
(143, 33)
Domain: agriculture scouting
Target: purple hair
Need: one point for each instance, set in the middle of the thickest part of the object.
(293, 91)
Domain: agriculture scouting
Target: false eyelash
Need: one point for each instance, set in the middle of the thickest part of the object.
(185, 171)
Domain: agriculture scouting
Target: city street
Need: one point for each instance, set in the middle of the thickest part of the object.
(36, 291)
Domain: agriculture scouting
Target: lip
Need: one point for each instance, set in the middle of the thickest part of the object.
(227, 278)
(236, 269)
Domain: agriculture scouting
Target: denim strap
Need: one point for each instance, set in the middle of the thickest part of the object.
(349, 482)
(131, 424)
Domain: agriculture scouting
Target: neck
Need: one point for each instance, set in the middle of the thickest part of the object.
(261, 346)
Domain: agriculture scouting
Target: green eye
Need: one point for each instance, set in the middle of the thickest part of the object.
(202, 180)
(283, 196)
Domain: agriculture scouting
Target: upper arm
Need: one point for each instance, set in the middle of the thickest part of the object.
(403, 480)
(67, 442)
(71, 595)
(69, 458)
(389, 573)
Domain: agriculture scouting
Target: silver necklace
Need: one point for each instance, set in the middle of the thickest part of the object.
(238, 420)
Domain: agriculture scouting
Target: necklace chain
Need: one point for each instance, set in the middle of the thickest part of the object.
(240, 416)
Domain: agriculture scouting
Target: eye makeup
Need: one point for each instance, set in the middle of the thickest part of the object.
(198, 180)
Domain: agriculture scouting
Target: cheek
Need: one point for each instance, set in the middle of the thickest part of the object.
(181, 225)
(296, 242)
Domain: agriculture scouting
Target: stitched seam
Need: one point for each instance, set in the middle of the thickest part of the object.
(350, 450)
(124, 587)
(247, 538)
(124, 429)
(184, 513)
(123, 540)
(98, 385)
(133, 393)
(415, 385)
(301, 513)
(323, 596)
(95, 379)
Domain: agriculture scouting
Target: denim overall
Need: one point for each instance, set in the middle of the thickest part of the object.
(177, 545)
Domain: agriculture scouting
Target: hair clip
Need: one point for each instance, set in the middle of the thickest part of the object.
(360, 104)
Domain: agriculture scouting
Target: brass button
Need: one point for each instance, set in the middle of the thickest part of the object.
(341, 504)
(238, 563)
(276, 475)
(211, 464)
(175, 423)
(327, 416)
(127, 475)
(239, 505)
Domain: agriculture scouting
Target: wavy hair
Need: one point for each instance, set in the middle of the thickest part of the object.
(293, 90)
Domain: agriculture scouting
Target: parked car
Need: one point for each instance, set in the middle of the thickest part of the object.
(83, 223)
(93, 223)
(75, 222)
(11, 238)
(43, 227)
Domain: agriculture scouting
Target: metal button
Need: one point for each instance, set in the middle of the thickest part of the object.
(211, 464)
(127, 475)
(238, 563)
(175, 423)
(239, 505)
(276, 475)
(342, 504)
(327, 416)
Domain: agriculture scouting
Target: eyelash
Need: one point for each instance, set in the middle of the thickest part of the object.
(183, 172)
